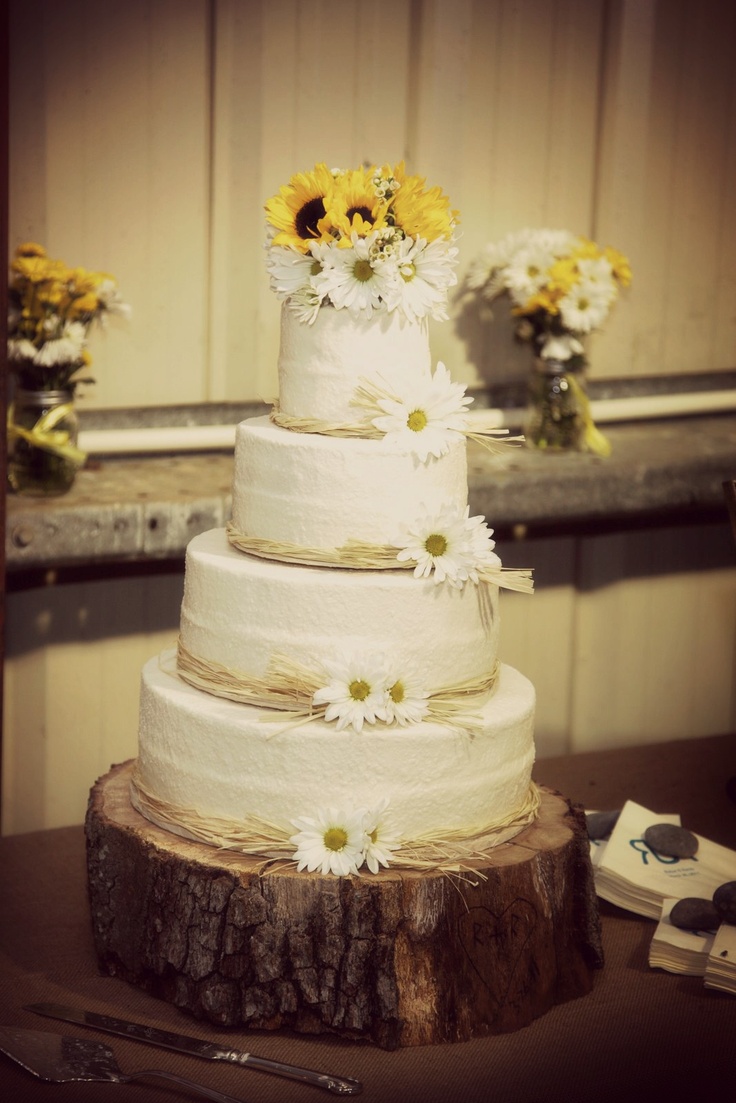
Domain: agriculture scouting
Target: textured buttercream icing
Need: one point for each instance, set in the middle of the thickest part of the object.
(338, 643)
(240, 611)
(240, 763)
(322, 491)
(321, 365)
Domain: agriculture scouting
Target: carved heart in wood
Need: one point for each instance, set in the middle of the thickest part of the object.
(494, 943)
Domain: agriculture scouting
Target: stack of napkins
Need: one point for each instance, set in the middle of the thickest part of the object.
(680, 951)
(708, 954)
(720, 970)
(629, 873)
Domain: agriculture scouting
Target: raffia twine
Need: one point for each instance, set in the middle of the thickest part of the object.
(359, 555)
(289, 688)
(449, 851)
(494, 439)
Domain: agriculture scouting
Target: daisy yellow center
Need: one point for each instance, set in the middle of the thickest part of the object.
(436, 544)
(397, 693)
(408, 272)
(362, 271)
(359, 689)
(308, 216)
(416, 421)
(335, 838)
(373, 835)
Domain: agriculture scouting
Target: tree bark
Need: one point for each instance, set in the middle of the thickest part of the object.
(397, 958)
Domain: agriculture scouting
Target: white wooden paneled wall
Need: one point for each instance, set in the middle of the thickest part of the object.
(146, 136)
(152, 132)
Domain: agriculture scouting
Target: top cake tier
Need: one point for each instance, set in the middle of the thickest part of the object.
(321, 365)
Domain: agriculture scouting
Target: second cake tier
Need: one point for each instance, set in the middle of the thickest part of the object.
(242, 613)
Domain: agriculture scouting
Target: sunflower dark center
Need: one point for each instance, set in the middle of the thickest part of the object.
(364, 212)
(308, 216)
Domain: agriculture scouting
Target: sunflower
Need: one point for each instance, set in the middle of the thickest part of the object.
(298, 212)
(353, 204)
(421, 212)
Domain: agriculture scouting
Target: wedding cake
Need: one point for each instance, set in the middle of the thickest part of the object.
(336, 697)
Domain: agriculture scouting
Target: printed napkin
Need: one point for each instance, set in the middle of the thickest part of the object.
(632, 875)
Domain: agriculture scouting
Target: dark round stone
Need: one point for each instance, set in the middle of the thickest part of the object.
(695, 913)
(601, 824)
(724, 899)
(671, 840)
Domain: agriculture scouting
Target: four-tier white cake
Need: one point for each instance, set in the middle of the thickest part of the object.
(337, 683)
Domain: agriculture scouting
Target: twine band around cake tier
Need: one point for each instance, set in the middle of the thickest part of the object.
(289, 687)
(361, 556)
(450, 851)
(490, 437)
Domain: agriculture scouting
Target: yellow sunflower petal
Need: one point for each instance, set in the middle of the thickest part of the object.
(298, 211)
(421, 212)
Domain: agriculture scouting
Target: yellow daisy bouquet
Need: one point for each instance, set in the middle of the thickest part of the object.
(561, 288)
(365, 240)
(51, 308)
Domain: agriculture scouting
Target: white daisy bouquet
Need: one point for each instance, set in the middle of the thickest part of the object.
(51, 308)
(363, 240)
(561, 287)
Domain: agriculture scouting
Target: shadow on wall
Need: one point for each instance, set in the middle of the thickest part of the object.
(487, 333)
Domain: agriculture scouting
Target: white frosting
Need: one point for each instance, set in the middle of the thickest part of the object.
(321, 491)
(221, 759)
(320, 365)
(239, 611)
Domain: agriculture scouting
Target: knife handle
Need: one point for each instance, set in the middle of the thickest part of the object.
(338, 1085)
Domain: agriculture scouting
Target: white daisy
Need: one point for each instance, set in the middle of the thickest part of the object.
(355, 280)
(305, 302)
(584, 307)
(480, 545)
(443, 545)
(405, 701)
(381, 837)
(355, 693)
(425, 421)
(598, 271)
(290, 270)
(20, 348)
(528, 272)
(426, 271)
(111, 300)
(333, 842)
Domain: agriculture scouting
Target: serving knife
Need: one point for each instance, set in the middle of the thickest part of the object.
(195, 1047)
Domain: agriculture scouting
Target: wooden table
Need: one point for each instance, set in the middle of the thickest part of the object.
(641, 1034)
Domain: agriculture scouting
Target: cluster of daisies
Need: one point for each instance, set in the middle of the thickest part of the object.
(363, 240)
(561, 287)
(50, 310)
(340, 842)
(363, 689)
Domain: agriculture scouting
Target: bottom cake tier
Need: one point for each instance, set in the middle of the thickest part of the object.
(232, 774)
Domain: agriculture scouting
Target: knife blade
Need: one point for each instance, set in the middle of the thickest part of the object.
(195, 1047)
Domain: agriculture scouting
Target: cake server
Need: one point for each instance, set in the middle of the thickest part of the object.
(59, 1059)
(195, 1047)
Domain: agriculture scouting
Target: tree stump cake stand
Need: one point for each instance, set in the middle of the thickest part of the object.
(396, 958)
